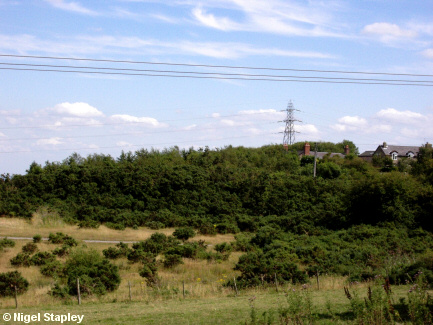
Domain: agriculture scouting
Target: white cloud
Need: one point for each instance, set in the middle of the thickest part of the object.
(149, 121)
(307, 129)
(124, 144)
(353, 121)
(259, 111)
(387, 32)
(76, 109)
(349, 123)
(2, 134)
(271, 16)
(50, 141)
(391, 114)
(382, 128)
(134, 45)
(190, 127)
(210, 20)
(428, 53)
(71, 6)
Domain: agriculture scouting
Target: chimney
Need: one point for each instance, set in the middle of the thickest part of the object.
(385, 145)
(286, 147)
(346, 150)
(306, 149)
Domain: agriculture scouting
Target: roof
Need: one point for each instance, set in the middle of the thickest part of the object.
(367, 154)
(322, 154)
(401, 150)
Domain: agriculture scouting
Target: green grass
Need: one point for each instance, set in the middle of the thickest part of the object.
(213, 310)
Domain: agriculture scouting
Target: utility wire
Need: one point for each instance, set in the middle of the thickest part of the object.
(218, 78)
(214, 66)
(211, 73)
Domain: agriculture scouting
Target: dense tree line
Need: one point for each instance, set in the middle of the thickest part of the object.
(225, 190)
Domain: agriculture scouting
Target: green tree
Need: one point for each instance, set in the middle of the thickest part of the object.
(11, 280)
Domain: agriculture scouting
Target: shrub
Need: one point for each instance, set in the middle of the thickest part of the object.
(97, 275)
(62, 251)
(52, 269)
(10, 280)
(121, 250)
(92, 224)
(60, 238)
(155, 225)
(156, 244)
(184, 233)
(59, 291)
(5, 242)
(42, 258)
(29, 248)
(172, 260)
(115, 226)
(257, 267)
(149, 270)
(223, 248)
(37, 239)
(207, 229)
(21, 259)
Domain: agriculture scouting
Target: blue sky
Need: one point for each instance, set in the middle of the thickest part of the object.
(46, 116)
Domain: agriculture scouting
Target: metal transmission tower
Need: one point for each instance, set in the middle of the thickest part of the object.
(289, 131)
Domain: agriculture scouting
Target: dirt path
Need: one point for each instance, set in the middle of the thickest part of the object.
(84, 240)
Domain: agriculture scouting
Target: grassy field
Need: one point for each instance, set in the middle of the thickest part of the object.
(206, 300)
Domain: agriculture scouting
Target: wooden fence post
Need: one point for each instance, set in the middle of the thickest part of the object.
(276, 282)
(236, 287)
(16, 299)
(183, 289)
(318, 284)
(129, 285)
(78, 291)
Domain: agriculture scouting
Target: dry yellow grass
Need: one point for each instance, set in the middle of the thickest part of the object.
(16, 227)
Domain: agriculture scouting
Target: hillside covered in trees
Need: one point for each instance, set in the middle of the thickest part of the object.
(226, 190)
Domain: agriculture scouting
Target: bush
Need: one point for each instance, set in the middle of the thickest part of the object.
(52, 269)
(29, 248)
(121, 250)
(97, 275)
(92, 224)
(223, 248)
(59, 291)
(21, 259)
(5, 242)
(115, 226)
(155, 225)
(10, 280)
(184, 233)
(60, 238)
(149, 270)
(62, 251)
(37, 239)
(156, 244)
(257, 267)
(42, 258)
(172, 260)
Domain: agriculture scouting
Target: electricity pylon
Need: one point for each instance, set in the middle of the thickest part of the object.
(289, 131)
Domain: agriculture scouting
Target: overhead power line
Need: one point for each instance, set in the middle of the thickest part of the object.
(214, 66)
(220, 77)
(85, 68)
